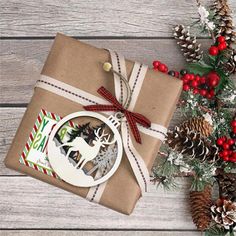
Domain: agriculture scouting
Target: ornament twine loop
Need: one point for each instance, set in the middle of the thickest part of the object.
(108, 67)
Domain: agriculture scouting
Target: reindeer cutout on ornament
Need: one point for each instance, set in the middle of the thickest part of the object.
(88, 153)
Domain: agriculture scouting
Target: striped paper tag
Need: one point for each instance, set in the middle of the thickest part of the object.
(34, 153)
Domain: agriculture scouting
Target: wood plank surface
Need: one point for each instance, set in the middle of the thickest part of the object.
(29, 203)
(95, 18)
(21, 61)
(95, 233)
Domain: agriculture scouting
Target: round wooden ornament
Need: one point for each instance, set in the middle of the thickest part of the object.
(75, 173)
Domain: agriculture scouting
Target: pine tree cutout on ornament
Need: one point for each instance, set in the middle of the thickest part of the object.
(105, 159)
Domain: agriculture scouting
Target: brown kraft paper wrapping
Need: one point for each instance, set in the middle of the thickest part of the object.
(79, 65)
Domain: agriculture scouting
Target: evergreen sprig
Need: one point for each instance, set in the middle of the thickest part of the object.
(203, 176)
(164, 172)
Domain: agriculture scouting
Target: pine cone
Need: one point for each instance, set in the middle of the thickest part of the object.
(199, 124)
(229, 66)
(200, 204)
(227, 185)
(192, 144)
(224, 213)
(224, 20)
(188, 44)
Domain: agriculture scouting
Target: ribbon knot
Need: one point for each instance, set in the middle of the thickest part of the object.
(132, 117)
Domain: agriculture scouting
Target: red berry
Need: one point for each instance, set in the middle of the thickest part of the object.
(185, 81)
(233, 123)
(213, 50)
(197, 78)
(186, 87)
(233, 159)
(233, 155)
(194, 83)
(156, 64)
(219, 142)
(225, 158)
(212, 73)
(222, 46)
(209, 96)
(221, 154)
(192, 77)
(187, 76)
(203, 80)
(213, 79)
(234, 130)
(166, 69)
(225, 153)
(221, 39)
(195, 91)
(162, 67)
(176, 74)
(203, 92)
(226, 146)
(213, 82)
(223, 138)
(230, 142)
(212, 92)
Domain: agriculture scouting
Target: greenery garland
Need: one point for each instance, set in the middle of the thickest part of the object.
(204, 145)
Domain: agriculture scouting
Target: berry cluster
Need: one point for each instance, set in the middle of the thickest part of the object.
(157, 65)
(219, 46)
(228, 145)
(203, 85)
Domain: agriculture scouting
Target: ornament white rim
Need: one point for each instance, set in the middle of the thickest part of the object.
(54, 160)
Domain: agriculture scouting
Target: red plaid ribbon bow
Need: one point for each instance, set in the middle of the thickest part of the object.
(132, 117)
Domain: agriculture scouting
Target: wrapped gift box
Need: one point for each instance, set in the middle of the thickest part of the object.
(79, 65)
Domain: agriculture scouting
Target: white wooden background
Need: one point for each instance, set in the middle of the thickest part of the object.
(141, 30)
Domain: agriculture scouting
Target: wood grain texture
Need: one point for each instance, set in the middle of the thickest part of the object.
(9, 121)
(95, 18)
(95, 233)
(21, 61)
(29, 203)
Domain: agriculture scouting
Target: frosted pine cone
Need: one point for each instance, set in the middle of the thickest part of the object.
(188, 44)
(192, 144)
(224, 20)
(224, 213)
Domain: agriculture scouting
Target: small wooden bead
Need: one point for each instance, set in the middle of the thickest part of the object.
(107, 66)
